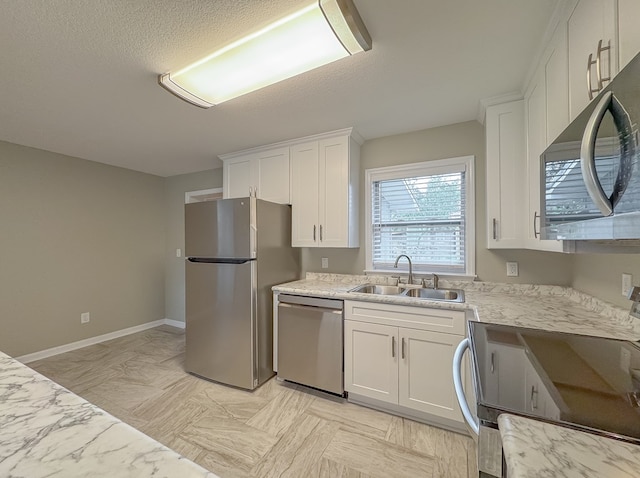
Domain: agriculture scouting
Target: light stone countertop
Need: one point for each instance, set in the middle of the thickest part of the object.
(554, 308)
(46, 430)
(533, 449)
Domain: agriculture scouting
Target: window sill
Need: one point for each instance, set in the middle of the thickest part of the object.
(420, 274)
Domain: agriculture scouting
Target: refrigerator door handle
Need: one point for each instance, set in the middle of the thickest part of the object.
(208, 260)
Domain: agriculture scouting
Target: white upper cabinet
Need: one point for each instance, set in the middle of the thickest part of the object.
(554, 76)
(593, 50)
(324, 192)
(506, 163)
(237, 177)
(546, 106)
(305, 192)
(628, 31)
(263, 173)
(318, 175)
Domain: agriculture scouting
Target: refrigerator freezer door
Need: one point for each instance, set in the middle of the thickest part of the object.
(220, 322)
(222, 229)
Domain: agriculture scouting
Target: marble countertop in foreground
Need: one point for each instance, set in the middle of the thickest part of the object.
(533, 449)
(554, 308)
(46, 430)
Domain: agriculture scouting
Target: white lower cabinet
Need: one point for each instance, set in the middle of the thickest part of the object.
(371, 360)
(402, 356)
(425, 379)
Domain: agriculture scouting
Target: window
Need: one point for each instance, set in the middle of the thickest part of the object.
(424, 210)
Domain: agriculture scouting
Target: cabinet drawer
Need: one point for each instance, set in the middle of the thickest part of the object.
(423, 318)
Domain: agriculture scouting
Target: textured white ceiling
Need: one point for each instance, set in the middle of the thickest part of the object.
(79, 77)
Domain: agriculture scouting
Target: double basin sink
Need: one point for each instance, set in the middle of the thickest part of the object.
(447, 295)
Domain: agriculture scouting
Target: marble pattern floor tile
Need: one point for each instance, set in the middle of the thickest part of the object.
(278, 430)
(278, 415)
(377, 458)
(230, 441)
(299, 452)
(331, 469)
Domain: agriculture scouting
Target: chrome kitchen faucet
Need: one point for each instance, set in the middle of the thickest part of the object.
(410, 278)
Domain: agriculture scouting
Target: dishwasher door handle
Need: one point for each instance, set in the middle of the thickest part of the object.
(306, 307)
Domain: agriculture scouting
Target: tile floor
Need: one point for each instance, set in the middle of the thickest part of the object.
(278, 430)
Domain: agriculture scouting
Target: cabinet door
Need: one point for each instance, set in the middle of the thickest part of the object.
(506, 161)
(555, 71)
(536, 125)
(334, 192)
(304, 195)
(272, 169)
(590, 22)
(371, 360)
(426, 377)
(237, 177)
(629, 33)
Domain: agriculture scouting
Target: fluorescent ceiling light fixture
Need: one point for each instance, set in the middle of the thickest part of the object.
(320, 33)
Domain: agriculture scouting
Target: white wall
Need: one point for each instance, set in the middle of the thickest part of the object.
(600, 275)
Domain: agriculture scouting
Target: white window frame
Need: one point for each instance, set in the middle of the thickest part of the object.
(425, 168)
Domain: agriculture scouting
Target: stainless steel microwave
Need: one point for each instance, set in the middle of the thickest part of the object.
(591, 172)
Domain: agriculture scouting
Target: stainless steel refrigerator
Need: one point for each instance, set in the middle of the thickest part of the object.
(236, 250)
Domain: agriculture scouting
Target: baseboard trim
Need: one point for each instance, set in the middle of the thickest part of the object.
(174, 323)
(96, 340)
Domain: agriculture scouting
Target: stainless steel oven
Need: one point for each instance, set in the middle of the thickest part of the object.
(583, 382)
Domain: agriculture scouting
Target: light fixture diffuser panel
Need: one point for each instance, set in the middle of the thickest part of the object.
(295, 44)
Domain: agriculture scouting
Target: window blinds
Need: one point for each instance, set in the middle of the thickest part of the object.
(423, 217)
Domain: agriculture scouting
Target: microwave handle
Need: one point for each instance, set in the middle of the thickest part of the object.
(588, 159)
(457, 383)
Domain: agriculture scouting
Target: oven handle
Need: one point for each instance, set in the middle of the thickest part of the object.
(457, 383)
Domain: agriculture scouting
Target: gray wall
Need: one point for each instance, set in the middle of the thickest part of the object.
(76, 236)
(461, 139)
(600, 275)
(175, 187)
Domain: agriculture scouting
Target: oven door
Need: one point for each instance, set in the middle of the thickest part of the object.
(487, 435)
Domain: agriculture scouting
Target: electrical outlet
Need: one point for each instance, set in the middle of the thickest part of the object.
(178, 252)
(627, 280)
(325, 262)
(512, 269)
(85, 317)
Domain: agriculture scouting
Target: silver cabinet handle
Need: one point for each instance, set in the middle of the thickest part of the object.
(403, 347)
(457, 385)
(534, 398)
(393, 347)
(320, 232)
(535, 231)
(590, 89)
(495, 229)
(628, 145)
(314, 232)
(493, 365)
(599, 76)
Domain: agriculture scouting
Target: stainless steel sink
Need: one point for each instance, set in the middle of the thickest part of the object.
(449, 295)
(378, 289)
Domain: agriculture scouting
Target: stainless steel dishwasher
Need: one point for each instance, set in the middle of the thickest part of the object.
(310, 342)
